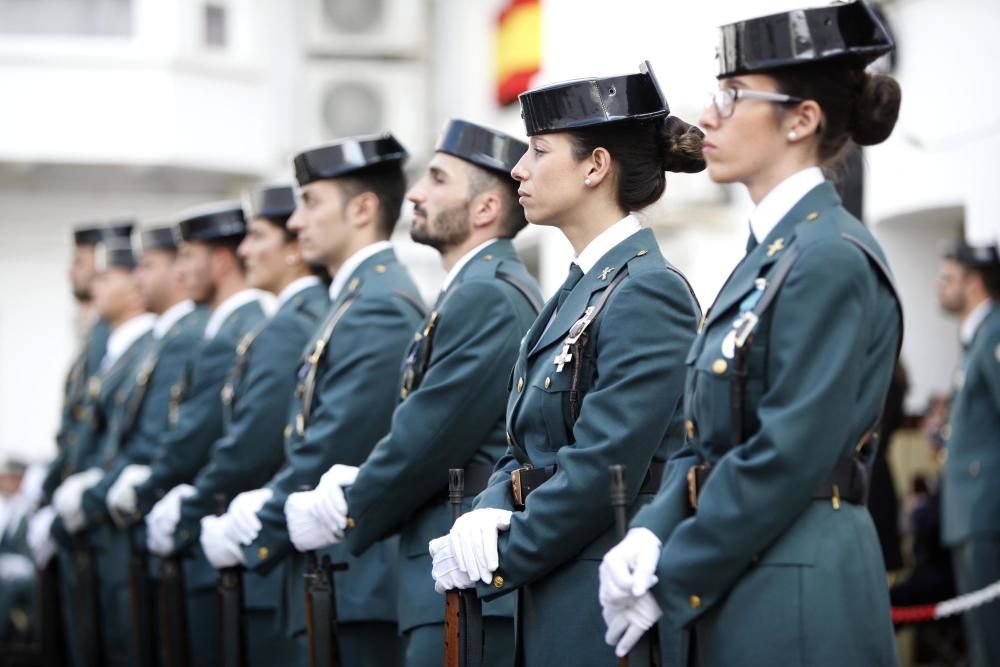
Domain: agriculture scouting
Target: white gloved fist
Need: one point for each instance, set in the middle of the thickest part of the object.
(243, 526)
(163, 518)
(220, 550)
(32, 483)
(629, 568)
(474, 541)
(16, 567)
(121, 498)
(627, 625)
(68, 498)
(305, 529)
(332, 503)
(445, 570)
(40, 541)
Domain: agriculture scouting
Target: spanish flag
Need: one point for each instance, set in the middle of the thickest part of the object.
(519, 48)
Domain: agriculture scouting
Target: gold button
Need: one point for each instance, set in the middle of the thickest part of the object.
(487, 257)
(136, 514)
(689, 425)
(263, 553)
(719, 366)
(351, 523)
(548, 382)
(694, 601)
(974, 468)
(641, 253)
(812, 216)
(288, 430)
(380, 268)
(520, 384)
(498, 581)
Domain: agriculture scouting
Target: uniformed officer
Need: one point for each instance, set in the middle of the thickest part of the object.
(451, 403)
(19, 492)
(254, 399)
(760, 542)
(351, 194)
(214, 276)
(969, 287)
(598, 376)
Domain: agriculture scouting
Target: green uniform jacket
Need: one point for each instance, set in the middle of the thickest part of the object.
(250, 452)
(451, 414)
(969, 499)
(349, 380)
(632, 377)
(195, 411)
(764, 573)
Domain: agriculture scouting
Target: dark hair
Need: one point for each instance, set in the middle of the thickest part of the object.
(641, 152)
(230, 244)
(512, 218)
(857, 105)
(990, 275)
(386, 181)
(290, 235)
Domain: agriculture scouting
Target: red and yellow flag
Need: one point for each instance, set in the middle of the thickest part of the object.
(519, 48)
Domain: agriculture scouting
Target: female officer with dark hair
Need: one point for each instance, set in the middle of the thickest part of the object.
(759, 541)
(599, 375)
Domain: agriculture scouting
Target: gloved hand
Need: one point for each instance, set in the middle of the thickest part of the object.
(162, 520)
(243, 526)
(331, 505)
(474, 541)
(40, 541)
(68, 498)
(121, 499)
(32, 483)
(445, 570)
(220, 550)
(629, 568)
(627, 625)
(305, 529)
(16, 567)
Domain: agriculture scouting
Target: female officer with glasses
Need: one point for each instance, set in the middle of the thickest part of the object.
(759, 542)
(599, 375)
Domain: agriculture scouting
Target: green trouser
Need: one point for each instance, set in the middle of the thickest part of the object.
(425, 643)
(362, 644)
(977, 564)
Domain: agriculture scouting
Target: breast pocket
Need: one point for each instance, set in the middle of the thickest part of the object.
(710, 392)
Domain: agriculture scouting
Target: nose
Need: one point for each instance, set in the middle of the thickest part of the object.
(295, 223)
(241, 249)
(415, 195)
(519, 173)
(709, 116)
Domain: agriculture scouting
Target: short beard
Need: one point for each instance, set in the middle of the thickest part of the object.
(449, 228)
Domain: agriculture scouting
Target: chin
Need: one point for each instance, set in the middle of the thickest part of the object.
(720, 173)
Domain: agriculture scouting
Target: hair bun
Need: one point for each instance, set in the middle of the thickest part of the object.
(682, 146)
(874, 116)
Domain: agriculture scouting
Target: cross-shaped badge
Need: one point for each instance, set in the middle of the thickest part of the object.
(606, 272)
(562, 358)
(775, 247)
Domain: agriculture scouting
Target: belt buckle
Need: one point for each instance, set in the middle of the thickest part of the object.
(516, 488)
(692, 481)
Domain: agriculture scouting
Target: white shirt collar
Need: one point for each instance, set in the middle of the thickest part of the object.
(170, 317)
(971, 324)
(123, 336)
(294, 287)
(779, 201)
(466, 258)
(607, 240)
(351, 265)
(229, 306)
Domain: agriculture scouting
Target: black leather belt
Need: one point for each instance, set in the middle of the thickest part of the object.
(527, 479)
(847, 482)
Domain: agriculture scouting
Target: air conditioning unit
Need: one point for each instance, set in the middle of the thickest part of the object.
(364, 97)
(365, 27)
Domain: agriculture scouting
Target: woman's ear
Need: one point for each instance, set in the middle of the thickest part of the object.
(598, 168)
(804, 121)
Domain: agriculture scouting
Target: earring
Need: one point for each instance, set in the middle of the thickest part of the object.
(290, 260)
(586, 182)
(792, 136)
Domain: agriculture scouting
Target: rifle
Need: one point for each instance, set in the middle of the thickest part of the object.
(321, 610)
(173, 614)
(233, 626)
(463, 613)
(88, 605)
(140, 601)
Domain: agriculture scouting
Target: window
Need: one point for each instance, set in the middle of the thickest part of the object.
(88, 18)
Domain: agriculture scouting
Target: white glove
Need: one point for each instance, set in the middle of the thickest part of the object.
(121, 499)
(474, 541)
(627, 625)
(307, 531)
(220, 550)
(331, 506)
(14, 567)
(162, 520)
(31, 486)
(242, 525)
(40, 541)
(68, 498)
(629, 568)
(445, 570)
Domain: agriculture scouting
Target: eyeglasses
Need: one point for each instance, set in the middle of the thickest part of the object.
(724, 99)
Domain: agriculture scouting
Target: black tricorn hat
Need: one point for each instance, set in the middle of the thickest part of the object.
(157, 238)
(274, 202)
(114, 250)
(974, 257)
(849, 31)
(346, 156)
(585, 102)
(87, 234)
(482, 146)
(212, 222)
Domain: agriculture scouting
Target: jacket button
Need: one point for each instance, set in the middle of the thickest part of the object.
(520, 384)
(689, 425)
(694, 601)
(263, 553)
(498, 581)
(351, 523)
(380, 268)
(719, 366)
(288, 431)
(812, 216)
(548, 382)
